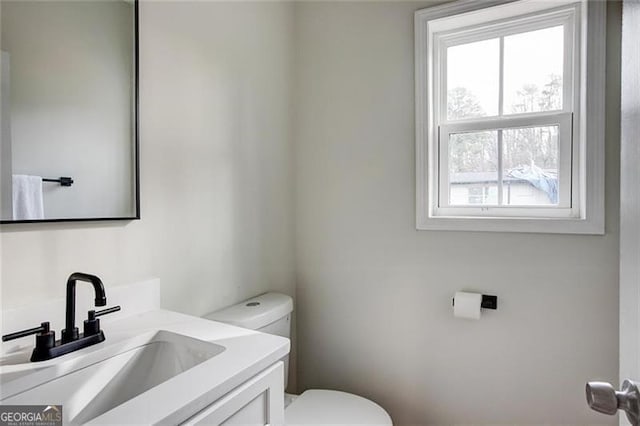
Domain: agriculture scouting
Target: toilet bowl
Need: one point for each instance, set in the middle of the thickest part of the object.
(271, 313)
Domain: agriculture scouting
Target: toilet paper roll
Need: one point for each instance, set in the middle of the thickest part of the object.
(467, 305)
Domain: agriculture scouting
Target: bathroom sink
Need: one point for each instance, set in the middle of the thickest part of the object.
(89, 391)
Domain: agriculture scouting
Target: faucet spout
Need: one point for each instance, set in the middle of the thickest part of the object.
(70, 332)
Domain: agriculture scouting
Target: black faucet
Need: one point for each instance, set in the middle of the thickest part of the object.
(47, 346)
(70, 332)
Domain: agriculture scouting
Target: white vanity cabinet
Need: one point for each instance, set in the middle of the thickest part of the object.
(258, 401)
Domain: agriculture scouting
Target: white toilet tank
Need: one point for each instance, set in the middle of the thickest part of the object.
(269, 313)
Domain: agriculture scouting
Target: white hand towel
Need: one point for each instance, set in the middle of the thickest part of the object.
(27, 198)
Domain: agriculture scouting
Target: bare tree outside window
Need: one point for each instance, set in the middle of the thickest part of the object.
(528, 153)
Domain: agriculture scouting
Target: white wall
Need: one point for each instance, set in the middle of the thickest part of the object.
(71, 102)
(374, 294)
(215, 168)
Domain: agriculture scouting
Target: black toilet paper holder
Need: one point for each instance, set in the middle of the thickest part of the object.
(488, 302)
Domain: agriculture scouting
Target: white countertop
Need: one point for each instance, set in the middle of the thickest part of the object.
(246, 353)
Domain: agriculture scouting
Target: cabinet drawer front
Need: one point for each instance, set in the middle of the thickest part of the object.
(258, 401)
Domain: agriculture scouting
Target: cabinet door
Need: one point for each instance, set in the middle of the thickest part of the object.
(258, 401)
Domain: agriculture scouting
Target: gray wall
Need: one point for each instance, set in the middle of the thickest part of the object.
(6, 201)
(71, 102)
(374, 294)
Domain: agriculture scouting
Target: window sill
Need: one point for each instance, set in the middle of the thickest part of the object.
(525, 225)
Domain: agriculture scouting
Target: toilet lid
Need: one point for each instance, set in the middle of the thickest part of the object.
(325, 407)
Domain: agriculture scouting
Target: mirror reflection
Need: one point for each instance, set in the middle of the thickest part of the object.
(68, 110)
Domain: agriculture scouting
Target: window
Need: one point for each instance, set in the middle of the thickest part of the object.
(510, 116)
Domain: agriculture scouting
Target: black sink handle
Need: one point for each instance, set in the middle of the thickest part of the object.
(107, 311)
(93, 314)
(44, 328)
(92, 324)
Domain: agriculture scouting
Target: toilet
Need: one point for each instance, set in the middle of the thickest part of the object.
(271, 313)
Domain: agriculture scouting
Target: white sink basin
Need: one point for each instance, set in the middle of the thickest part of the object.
(110, 378)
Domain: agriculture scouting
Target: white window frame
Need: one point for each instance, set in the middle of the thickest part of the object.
(581, 121)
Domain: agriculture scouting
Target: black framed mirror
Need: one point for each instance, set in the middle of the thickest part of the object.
(69, 117)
